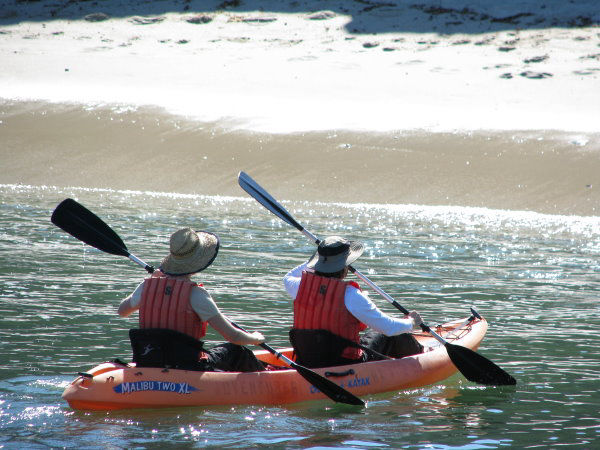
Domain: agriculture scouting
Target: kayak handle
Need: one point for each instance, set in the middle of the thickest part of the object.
(340, 374)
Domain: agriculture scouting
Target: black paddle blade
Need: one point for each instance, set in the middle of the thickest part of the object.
(477, 368)
(86, 226)
(328, 387)
(265, 199)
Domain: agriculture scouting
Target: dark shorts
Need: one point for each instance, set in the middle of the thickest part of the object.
(397, 346)
(232, 358)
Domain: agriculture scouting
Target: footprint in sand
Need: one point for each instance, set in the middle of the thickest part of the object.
(595, 56)
(411, 62)
(259, 19)
(371, 44)
(321, 15)
(536, 59)
(199, 20)
(96, 17)
(486, 41)
(238, 40)
(497, 66)
(590, 71)
(535, 75)
(146, 20)
(96, 49)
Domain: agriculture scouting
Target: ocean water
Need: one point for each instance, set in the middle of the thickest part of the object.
(533, 276)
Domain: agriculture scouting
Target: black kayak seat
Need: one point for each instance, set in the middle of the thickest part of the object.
(162, 347)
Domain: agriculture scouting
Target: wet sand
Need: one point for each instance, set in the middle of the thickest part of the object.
(146, 149)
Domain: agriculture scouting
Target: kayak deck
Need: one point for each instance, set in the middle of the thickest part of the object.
(111, 385)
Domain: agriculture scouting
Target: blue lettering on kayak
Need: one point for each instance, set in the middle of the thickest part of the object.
(162, 386)
(359, 382)
(356, 382)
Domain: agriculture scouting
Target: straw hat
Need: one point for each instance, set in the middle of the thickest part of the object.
(334, 253)
(191, 252)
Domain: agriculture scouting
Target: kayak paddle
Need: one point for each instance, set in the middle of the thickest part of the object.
(86, 226)
(471, 364)
(80, 222)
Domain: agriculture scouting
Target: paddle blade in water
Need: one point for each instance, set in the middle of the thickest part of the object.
(477, 368)
(86, 226)
(328, 387)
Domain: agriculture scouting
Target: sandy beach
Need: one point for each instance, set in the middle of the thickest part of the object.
(429, 102)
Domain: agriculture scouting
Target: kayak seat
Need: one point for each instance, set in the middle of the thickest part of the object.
(319, 348)
(161, 347)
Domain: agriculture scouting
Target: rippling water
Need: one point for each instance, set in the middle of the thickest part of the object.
(534, 277)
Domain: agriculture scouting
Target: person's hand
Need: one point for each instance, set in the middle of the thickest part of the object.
(416, 319)
(259, 338)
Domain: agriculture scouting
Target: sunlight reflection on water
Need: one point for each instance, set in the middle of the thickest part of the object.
(534, 277)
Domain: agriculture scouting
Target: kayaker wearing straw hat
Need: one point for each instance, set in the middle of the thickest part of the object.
(330, 313)
(170, 300)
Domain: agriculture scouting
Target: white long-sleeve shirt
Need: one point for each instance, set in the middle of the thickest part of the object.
(358, 303)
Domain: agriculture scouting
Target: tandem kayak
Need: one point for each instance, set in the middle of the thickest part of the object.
(115, 385)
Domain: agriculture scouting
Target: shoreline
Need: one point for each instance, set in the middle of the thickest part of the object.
(546, 172)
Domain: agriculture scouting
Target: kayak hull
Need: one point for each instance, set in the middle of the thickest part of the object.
(111, 386)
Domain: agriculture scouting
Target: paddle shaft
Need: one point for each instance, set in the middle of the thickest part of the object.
(268, 348)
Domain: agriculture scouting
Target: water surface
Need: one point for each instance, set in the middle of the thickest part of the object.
(533, 276)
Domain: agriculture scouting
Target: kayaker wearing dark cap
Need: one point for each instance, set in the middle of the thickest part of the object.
(330, 313)
(170, 300)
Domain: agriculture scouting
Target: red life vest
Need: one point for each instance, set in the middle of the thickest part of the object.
(166, 304)
(319, 305)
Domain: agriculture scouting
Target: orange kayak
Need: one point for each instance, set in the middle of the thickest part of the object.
(111, 385)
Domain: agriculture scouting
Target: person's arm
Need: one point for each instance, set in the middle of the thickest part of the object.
(291, 280)
(361, 307)
(203, 304)
(131, 303)
(234, 335)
